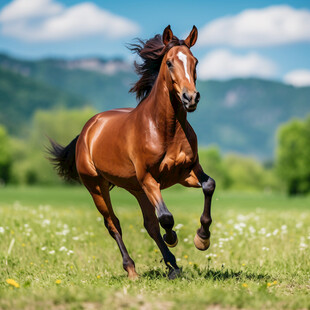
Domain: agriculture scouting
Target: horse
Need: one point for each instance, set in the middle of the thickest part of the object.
(147, 148)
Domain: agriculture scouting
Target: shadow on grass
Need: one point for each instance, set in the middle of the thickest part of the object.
(208, 274)
(155, 274)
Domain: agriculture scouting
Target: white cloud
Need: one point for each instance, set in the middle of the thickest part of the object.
(298, 78)
(269, 26)
(222, 64)
(48, 20)
(21, 9)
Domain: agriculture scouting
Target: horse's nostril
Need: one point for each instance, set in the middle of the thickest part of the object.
(186, 97)
(197, 97)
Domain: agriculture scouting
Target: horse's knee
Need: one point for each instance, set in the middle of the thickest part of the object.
(166, 220)
(208, 187)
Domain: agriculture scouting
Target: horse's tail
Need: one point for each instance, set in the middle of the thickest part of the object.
(63, 159)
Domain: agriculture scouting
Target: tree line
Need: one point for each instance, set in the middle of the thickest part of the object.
(24, 160)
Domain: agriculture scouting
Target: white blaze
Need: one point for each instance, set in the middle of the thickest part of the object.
(183, 58)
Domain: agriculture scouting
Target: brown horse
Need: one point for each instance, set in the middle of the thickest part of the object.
(145, 149)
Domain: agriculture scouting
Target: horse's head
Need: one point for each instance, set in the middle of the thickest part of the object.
(180, 69)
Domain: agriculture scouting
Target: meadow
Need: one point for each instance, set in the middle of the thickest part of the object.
(55, 252)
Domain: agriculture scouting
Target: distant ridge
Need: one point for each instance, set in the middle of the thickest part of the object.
(240, 115)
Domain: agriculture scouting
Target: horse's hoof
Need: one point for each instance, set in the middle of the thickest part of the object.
(172, 243)
(201, 244)
(174, 273)
(133, 276)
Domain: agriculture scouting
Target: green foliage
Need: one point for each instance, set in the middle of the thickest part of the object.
(30, 164)
(293, 156)
(5, 155)
(212, 163)
(237, 172)
(21, 96)
(246, 173)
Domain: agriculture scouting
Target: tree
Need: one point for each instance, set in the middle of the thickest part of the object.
(5, 155)
(293, 155)
(30, 164)
(246, 173)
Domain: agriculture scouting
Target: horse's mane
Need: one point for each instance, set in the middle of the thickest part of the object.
(152, 52)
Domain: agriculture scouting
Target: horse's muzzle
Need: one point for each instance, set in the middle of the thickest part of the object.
(190, 101)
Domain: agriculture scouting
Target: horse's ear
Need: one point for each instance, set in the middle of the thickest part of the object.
(192, 37)
(167, 35)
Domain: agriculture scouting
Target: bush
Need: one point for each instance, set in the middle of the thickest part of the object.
(246, 173)
(30, 163)
(5, 156)
(212, 164)
(293, 156)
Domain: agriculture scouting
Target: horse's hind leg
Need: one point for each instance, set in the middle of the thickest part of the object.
(99, 190)
(152, 226)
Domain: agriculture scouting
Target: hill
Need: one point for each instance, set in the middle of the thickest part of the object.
(239, 115)
(20, 96)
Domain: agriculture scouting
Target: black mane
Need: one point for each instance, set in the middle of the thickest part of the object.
(152, 52)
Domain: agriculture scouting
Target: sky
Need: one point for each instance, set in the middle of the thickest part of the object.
(258, 38)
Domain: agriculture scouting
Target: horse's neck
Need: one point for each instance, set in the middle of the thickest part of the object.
(164, 110)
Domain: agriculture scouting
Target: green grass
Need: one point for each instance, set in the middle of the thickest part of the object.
(258, 259)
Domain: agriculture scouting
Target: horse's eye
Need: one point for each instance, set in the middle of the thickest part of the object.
(169, 64)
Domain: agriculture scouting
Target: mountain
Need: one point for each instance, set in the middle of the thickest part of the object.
(240, 115)
(103, 82)
(243, 114)
(20, 96)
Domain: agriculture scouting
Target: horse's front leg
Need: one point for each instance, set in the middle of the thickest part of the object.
(198, 178)
(165, 218)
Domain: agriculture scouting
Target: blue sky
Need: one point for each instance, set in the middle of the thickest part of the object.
(269, 39)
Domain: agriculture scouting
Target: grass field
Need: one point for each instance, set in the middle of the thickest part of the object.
(54, 245)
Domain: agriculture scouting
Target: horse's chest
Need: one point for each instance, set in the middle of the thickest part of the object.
(175, 165)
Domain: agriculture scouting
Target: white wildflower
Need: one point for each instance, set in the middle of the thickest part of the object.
(302, 246)
(185, 240)
(265, 249)
(275, 232)
(76, 238)
(43, 248)
(51, 252)
(252, 230)
(211, 255)
(1, 230)
(70, 252)
(63, 248)
(46, 222)
(64, 232)
(179, 226)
